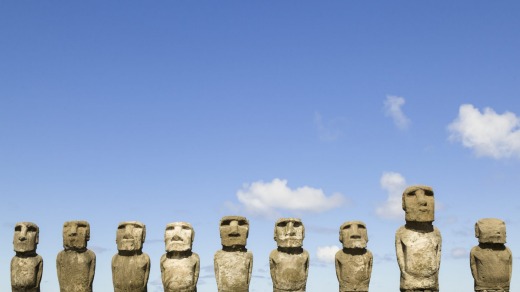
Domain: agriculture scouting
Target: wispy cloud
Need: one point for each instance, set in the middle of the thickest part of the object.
(326, 254)
(394, 184)
(393, 109)
(459, 253)
(487, 133)
(327, 130)
(269, 198)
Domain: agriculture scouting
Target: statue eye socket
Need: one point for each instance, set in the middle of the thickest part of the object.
(282, 224)
(242, 222)
(120, 227)
(346, 226)
(31, 228)
(361, 227)
(18, 228)
(225, 223)
(297, 224)
(184, 227)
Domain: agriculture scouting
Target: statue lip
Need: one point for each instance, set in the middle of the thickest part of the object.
(234, 235)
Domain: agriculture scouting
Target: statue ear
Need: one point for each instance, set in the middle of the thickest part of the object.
(192, 235)
(477, 230)
(144, 234)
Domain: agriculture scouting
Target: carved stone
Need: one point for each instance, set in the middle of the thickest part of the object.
(354, 261)
(180, 267)
(26, 265)
(491, 261)
(289, 263)
(233, 264)
(76, 264)
(130, 266)
(418, 243)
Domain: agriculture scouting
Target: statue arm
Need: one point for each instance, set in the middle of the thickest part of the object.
(58, 266)
(510, 263)
(306, 265)
(40, 271)
(146, 271)
(197, 269)
(272, 268)
(439, 249)
(250, 269)
(161, 263)
(400, 254)
(92, 269)
(370, 262)
(338, 266)
(473, 264)
(216, 267)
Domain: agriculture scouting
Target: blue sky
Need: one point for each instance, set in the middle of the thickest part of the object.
(190, 110)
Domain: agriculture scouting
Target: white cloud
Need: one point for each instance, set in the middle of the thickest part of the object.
(487, 133)
(327, 254)
(393, 109)
(459, 253)
(267, 198)
(394, 184)
(327, 131)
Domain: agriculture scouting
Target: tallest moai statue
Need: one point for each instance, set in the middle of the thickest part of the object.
(418, 242)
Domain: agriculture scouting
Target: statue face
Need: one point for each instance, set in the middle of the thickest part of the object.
(76, 234)
(289, 232)
(353, 234)
(490, 230)
(234, 230)
(130, 236)
(419, 204)
(26, 236)
(178, 236)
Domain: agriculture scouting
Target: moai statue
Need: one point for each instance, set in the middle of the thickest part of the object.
(418, 243)
(26, 265)
(491, 261)
(76, 264)
(180, 267)
(354, 262)
(130, 266)
(289, 263)
(233, 264)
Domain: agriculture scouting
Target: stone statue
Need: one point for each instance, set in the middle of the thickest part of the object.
(491, 261)
(418, 243)
(354, 262)
(180, 266)
(233, 264)
(130, 266)
(76, 264)
(289, 263)
(26, 265)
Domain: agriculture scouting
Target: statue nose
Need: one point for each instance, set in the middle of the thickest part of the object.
(234, 228)
(289, 229)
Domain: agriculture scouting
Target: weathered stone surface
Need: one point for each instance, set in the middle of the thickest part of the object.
(26, 265)
(76, 264)
(354, 261)
(130, 266)
(180, 267)
(233, 264)
(289, 263)
(491, 261)
(418, 243)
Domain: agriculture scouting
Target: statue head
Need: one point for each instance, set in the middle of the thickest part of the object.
(178, 236)
(26, 236)
(130, 236)
(490, 230)
(76, 234)
(289, 232)
(419, 204)
(234, 231)
(353, 234)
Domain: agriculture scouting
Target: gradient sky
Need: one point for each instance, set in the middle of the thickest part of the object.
(324, 110)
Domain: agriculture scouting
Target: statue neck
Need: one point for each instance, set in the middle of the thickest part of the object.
(419, 226)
